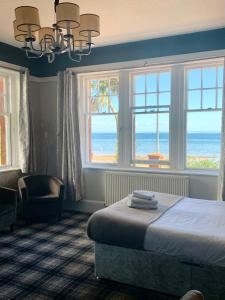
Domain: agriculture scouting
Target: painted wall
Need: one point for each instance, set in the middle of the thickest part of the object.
(158, 47)
(165, 46)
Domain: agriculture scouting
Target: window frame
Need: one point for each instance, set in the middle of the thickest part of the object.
(177, 121)
(12, 94)
(145, 72)
(204, 64)
(86, 113)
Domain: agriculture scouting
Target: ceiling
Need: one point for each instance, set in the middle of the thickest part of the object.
(128, 20)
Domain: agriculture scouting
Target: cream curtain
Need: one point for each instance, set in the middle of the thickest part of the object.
(221, 178)
(69, 166)
(27, 156)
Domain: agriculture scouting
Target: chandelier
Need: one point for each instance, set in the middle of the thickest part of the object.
(72, 33)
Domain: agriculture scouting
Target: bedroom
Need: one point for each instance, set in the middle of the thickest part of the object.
(142, 110)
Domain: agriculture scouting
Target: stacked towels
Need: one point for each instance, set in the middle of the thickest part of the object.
(142, 199)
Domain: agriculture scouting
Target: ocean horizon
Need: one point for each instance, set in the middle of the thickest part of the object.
(198, 143)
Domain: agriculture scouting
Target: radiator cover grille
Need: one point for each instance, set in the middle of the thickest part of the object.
(119, 184)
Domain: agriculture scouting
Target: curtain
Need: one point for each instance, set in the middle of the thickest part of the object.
(27, 156)
(221, 178)
(69, 166)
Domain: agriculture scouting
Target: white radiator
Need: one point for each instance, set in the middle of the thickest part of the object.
(119, 184)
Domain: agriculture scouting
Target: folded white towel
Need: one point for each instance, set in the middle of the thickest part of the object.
(148, 195)
(135, 200)
(141, 205)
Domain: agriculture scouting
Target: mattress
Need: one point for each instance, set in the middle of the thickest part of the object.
(193, 230)
(190, 229)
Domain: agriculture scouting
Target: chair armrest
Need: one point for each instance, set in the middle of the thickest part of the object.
(23, 192)
(193, 295)
(8, 196)
(56, 186)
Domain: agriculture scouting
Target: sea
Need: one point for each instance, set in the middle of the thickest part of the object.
(198, 144)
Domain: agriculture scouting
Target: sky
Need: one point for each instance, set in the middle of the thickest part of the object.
(208, 79)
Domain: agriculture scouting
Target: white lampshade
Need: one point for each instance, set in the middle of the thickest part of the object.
(89, 23)
(68, 13)
(27, 16)
(79, 38)
(19, 35)
(46, 33)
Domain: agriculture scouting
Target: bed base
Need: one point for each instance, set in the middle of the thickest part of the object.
(158, 272)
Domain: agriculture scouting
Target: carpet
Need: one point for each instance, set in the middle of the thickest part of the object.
(56, 261)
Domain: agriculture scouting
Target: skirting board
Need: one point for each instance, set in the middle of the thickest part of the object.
(85, 206)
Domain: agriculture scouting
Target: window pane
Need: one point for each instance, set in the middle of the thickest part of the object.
(194, 99)
(139, 100)
(164, 99)
(209, 77)
(164, 81)
(220, 76)
(219, 98)
(151, 143)
(151, 99)
(104, 141)
(2, 104)
(151, 83)
(194, 79)
(114, 86)
(3, 141)
(94, 88)
(139, 84)
(209, 99)
(103, 87)
(113, 104)
(99, 104)
(203, 140)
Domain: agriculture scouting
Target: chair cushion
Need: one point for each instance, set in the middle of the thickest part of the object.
(6, 209)
(44, 198)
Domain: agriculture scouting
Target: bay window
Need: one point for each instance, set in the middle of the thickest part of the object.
(165, 117)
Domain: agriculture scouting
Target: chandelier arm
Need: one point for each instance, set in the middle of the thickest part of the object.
(33, 48)
(35, 56)
(71, 56)
(51, 57)
(88, 51)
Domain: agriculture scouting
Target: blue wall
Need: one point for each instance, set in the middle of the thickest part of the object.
(165, 46)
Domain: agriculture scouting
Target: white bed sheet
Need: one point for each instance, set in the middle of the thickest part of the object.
(193, 229)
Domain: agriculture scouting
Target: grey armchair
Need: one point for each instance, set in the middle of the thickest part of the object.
(193, 295)
(8, 205)
(41, 196)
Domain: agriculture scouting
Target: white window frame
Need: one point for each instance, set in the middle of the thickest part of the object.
(177, 115)
(148, 70)
(201, 65)
(12, 95)
(85, 114)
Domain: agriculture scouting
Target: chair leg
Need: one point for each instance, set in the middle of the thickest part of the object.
(59, 217)
(11, 227)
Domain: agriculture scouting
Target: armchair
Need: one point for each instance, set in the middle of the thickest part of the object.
(41, 196)
(193, 295)
(8, 205)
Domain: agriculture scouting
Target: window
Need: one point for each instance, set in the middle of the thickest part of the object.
(204, 87)
(165, 117)
(151, 98)
(4, 121)
(102, 119)
(9, 91)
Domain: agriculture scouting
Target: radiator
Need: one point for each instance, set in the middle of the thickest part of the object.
(119, 184)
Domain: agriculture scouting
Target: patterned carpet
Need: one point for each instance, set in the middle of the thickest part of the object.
(56, 261)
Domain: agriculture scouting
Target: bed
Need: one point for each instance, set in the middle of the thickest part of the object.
(178, 247)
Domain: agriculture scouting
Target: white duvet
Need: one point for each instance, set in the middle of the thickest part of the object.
(193, 230)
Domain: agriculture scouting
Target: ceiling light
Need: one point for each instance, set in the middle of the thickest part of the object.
(72, 33)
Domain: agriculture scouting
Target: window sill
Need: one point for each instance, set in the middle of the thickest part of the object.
(9, 169)
(214, 173)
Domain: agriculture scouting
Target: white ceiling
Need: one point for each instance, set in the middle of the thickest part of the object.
(128, 20)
